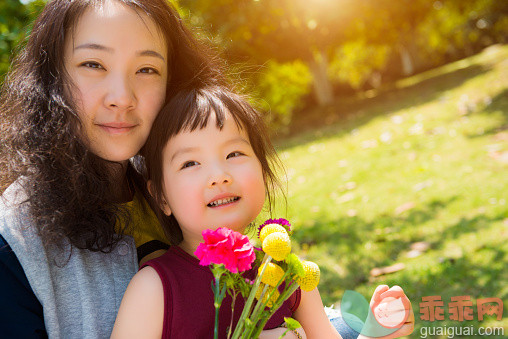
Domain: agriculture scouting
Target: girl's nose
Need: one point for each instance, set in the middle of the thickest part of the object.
(120, 95)
(220, 177)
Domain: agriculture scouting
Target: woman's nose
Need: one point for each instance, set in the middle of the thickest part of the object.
(120, 95)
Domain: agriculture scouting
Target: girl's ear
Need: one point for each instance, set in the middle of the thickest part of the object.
(164, 206)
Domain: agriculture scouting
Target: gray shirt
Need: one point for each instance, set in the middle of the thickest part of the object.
(80, 294)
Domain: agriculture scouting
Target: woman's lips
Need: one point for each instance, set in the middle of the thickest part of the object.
(117, 128)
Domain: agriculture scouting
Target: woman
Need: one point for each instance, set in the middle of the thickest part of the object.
(78, 103)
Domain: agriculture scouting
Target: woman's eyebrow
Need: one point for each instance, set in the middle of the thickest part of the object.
(151, 53)
(94, 46)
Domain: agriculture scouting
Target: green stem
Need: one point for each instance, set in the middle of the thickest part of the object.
(232, 313)
(216, 304)
(284, 334)
(260, 306)
(285, 295)
(247, 307)
(260, 303)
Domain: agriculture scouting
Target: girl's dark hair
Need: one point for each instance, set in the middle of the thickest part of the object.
(191, 109)
(67, 186)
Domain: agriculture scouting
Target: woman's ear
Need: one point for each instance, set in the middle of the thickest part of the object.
(164, 206)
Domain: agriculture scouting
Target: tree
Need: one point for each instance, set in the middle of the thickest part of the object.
(14, 24)
(281, 30)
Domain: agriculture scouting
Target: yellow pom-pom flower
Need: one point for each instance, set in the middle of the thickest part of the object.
(277, 245)
(273, 298)
(272, 275)
(269, 229)
(311, 278)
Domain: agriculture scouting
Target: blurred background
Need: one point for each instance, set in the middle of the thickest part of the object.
(391, 119)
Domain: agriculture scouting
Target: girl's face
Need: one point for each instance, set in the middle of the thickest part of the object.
(117, 63)
(212, 178)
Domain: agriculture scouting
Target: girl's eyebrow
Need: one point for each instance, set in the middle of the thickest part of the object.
(183, 151)
(238, 139)
(195, 149)
(98, 47)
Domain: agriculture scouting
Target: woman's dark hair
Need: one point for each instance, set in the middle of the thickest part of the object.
(191, 109)
(68, 187)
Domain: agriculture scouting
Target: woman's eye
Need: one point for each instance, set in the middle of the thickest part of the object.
(189, 164)
(148, 70)
(91, 64)
(234, 154)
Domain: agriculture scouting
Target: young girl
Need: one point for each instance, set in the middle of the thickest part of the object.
(209, 164)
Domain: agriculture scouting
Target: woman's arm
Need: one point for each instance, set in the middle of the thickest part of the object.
(21, 312)
(141, 312)
(311, 315)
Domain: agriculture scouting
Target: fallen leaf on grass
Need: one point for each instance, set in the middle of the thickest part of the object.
(501, 136)
(404, 207)
(417, 249)
(499, 156)
(421, 185)
(376, 272)
(420, 246)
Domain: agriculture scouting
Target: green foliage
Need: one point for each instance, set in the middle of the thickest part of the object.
(280, 88)
(355, 61)
(294, 265)
(15, 18)
(456, 28)
(292, 324)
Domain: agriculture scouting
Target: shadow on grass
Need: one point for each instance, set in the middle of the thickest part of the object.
(466, 275)
(466, 225)
(499, 103)
(355, 246)
(358, 245)
(460, 277)
(350, 113)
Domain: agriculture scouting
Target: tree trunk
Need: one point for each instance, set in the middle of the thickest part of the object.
(321, 84)
(407, 62)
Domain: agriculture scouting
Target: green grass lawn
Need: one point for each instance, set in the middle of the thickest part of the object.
(426, 160)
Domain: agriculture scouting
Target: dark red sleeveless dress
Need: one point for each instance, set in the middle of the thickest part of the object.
(188, 299)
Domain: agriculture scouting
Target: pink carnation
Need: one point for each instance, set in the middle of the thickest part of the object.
(224, 246)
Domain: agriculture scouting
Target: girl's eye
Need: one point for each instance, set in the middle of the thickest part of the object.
(189, 164)
(234, 154)
(92, 64)
(148, 70)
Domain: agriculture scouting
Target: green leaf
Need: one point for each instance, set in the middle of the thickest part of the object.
(292, 324)
(295, 265)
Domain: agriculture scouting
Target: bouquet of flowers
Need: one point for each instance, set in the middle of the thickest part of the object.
(279, 275)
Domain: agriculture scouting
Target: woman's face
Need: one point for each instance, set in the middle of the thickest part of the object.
(117, 61)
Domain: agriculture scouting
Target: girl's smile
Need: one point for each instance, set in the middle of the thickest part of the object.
(223, 200)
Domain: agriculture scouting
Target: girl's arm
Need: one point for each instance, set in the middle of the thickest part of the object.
(311, 315)
(142, 309)
(275, 333)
